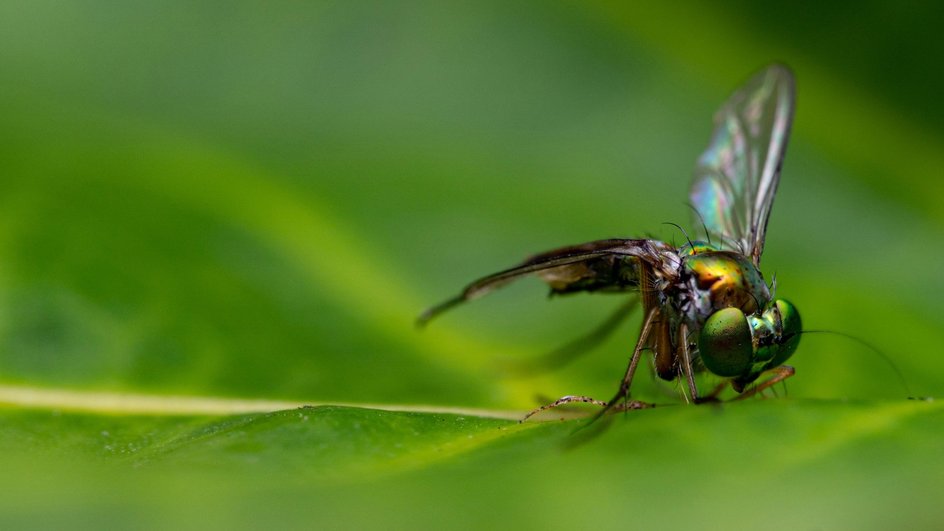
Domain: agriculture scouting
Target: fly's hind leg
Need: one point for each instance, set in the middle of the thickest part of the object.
(569, 399)
(622, 394)
(572, 399)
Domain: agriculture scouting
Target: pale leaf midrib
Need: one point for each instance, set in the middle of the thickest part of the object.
(117, 403)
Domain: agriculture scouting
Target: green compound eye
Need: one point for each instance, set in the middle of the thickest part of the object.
(725, 343)
(789, 332)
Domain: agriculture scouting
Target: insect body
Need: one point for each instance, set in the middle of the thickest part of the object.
(705, 304)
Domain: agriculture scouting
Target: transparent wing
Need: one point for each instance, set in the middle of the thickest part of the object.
(591, 266)
(736, 177)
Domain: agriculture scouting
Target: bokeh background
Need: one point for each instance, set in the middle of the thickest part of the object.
(255, 200)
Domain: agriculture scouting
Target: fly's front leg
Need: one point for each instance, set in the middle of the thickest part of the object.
(778, 374)
(687, 371)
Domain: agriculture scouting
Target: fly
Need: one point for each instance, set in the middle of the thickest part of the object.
(705, 304)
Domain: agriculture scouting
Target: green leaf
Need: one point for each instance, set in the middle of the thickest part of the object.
(210, 218)
(795, 461)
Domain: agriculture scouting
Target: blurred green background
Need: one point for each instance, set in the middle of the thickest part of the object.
(255, 200)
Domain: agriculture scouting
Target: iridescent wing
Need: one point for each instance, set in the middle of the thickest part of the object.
(603, 265)
(736, 177)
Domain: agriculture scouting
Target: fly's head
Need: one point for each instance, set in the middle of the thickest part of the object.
(745, 332)
(741, 347)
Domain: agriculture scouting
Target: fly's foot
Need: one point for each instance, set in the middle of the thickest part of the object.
(625, 405)
(630, 405)
(569, 399)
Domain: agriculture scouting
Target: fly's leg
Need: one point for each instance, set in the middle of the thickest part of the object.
(629, 405)
(624, 385)
(778, 374)
(689, 374)
(569, 399)
(623, 392)
(687, 365)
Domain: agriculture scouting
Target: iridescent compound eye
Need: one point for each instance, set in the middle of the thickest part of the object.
(790, 327)
(725, 343)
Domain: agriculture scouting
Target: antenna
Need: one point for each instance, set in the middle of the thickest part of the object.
(873, 348)
(702, 220)
(677, 226)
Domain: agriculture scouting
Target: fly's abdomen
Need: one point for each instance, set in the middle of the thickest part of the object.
(606, 273)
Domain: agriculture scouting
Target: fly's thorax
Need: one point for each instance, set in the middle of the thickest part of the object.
(723, 279)
(696, 247)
